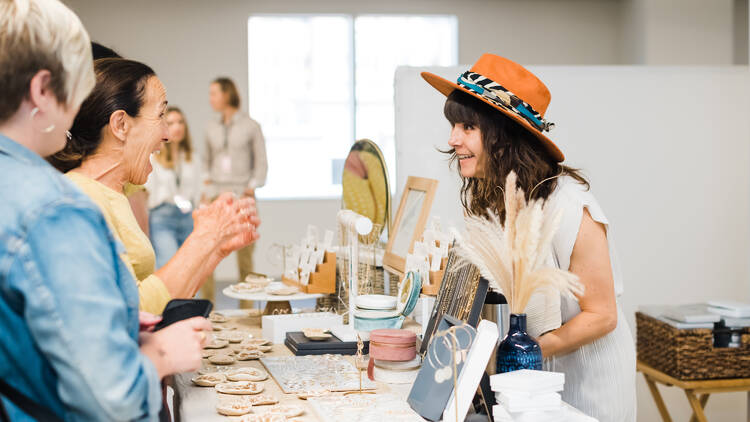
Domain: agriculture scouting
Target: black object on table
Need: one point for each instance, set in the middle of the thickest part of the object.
(303, 346)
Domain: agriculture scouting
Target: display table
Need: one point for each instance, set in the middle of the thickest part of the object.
(198, 404)
(697, 392)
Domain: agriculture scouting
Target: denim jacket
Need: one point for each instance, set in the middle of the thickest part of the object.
(68, 306)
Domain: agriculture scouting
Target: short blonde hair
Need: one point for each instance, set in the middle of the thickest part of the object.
(37, 35)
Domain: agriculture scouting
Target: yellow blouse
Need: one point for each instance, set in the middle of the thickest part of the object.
(139, 255)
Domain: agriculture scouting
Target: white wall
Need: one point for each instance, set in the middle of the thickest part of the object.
(683, 32)
(190, 42)
(669, 164)
(741, 35)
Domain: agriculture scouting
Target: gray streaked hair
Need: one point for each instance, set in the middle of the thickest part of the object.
(37, 35)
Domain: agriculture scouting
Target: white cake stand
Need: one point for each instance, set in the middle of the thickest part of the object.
(276, 303)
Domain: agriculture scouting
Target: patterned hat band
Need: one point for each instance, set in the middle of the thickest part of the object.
(503, 98)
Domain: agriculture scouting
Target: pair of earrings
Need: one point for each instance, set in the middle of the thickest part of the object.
(457, 341)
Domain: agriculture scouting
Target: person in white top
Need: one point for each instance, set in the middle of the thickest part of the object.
(173, 189)
(496, 111)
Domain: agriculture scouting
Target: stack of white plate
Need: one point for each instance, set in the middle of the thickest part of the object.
(375, 303)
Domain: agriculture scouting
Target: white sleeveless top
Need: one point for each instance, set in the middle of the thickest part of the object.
(599, 376)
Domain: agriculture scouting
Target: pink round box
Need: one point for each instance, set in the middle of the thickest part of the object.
(393, 345)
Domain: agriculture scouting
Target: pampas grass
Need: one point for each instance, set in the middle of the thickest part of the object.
(512, 254)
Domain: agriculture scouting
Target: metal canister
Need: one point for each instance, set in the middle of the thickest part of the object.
(496, 310)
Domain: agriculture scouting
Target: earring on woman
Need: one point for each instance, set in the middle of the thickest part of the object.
(49, 128)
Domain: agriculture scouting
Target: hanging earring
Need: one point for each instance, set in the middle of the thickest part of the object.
(49, 128)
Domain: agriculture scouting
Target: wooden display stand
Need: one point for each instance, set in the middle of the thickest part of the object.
(701, 388)
(323, 280)
(436, 280)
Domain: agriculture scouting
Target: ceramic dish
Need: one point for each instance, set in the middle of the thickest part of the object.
(207, 353)
(247, 288)
(216, 344)
(257, 280)
(209, 380)
(408, 293)
(233, 407)
(248, 371)
(249, 355)
(247, 374)
(287, 410)
(217, 317)
(282, 290)
(241, 387)
(316, 334)
(221, 359)
(251, 348)
(262, 418)
(261, 399)
(210, 369)
(231, 336)
(256, 342)
(218, 327)
(376, 302)
(409, 289)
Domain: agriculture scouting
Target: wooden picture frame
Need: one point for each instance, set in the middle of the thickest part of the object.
(413, 212)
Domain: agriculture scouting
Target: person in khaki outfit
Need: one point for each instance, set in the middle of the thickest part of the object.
(235, 159)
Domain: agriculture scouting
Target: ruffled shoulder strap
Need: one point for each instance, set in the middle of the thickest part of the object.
(572, 197)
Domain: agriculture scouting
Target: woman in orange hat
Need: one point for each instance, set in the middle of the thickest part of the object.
(496, 111)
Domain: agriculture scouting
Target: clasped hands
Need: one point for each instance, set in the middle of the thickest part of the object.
(230, 223)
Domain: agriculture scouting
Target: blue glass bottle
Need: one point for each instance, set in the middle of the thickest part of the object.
(518, 350)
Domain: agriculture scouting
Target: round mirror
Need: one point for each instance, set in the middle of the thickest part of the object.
(365, 184)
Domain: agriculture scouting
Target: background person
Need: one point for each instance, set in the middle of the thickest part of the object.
(118, 127)
(235, 157)
(494, 132)
(70, 339)
(136, 194)
(173, 189)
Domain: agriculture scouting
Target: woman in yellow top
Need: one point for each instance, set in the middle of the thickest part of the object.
(113, 136)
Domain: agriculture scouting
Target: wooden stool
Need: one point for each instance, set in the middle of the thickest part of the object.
(703, 388)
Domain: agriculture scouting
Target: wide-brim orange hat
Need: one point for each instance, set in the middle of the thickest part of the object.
(511, 89)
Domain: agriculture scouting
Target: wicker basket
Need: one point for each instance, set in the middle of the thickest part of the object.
(689, 354)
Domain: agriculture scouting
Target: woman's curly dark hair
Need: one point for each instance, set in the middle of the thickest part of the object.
(507, 146)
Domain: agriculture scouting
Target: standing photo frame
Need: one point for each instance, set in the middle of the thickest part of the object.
(410, 222)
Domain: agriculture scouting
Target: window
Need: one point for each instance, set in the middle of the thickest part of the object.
(319, 82)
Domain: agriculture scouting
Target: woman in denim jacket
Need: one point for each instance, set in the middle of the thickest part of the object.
(70, 341)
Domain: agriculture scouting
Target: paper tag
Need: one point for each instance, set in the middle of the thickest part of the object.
(225, 163)
(420, 249)
(304, 257)
(305, 278)
(436, 259)
(183, 204)
(328, 240)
